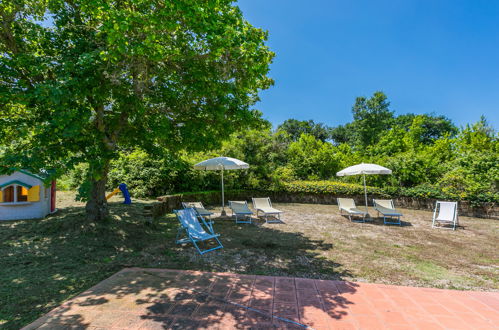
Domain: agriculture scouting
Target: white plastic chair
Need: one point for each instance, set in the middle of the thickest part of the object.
(446, 214)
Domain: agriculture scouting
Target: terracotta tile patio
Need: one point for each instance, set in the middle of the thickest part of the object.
(136, 298)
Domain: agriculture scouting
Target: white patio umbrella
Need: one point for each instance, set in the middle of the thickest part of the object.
(221, 164)
(364, 169)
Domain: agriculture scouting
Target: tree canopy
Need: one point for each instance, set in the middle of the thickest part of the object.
(82, 80)
(295, 128)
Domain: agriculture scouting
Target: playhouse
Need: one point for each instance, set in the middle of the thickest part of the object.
(24, 195)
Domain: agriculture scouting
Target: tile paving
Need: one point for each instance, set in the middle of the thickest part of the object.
(137, 298)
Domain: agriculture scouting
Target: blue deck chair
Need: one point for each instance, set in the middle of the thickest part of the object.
(189, 224)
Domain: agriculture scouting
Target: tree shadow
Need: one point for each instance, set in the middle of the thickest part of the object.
(171, 299)
(48, 261)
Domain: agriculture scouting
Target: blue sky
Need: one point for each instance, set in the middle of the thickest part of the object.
(437, 56)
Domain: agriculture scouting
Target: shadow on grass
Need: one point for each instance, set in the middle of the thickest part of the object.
(152, 298)
(378, 221)
(48, 261)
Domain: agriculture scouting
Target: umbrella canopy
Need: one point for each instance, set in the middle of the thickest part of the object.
(221, 164)
(364, 169)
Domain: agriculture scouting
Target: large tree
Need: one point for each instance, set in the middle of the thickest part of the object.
(295, 128)
(82, 79)
(430, 126)
(371, 117)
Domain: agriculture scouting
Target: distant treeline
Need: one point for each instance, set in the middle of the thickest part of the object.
(427, 153)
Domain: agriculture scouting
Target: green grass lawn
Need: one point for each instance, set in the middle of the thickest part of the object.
(44, 262)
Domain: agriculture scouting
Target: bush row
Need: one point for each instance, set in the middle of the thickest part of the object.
(341, 188)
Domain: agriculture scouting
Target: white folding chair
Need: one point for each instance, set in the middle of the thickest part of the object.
(445, 214)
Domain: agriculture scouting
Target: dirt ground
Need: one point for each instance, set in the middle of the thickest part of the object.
(47, 261)
(316, 241)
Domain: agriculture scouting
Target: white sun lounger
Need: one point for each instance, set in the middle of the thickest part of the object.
(241, 209)
(447, 215)
(199, 208)
(387, 209)
(348, 205)
(265, 206)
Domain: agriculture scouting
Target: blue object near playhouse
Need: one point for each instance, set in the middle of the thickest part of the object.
(124, 190)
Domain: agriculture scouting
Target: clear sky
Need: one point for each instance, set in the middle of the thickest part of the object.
(437, 56)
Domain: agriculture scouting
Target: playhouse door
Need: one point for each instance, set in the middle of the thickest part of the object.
(52, 197)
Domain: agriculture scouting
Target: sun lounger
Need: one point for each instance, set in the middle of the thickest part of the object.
(447, 215)
(199, 208)
(387, 209)
(190, 225)
(265, 206)
(348, 205)
(241, 209)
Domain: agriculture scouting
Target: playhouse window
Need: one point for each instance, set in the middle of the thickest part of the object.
(22, 194)
(8, 194)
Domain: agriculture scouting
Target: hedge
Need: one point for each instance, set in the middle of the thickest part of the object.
(352, 189)
(341, 188)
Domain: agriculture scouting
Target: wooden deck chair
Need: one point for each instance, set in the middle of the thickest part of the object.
(264, 205)
(241, 209)
(445, 214)
(348, 205)
(387, 209)
(190, 225)
(199, 208)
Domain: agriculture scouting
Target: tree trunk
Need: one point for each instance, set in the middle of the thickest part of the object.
(96, 207)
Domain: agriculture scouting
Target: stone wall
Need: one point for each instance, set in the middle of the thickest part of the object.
(166, 204)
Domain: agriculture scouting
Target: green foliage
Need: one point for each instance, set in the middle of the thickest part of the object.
(343, 134)
(371, 117)
(329, 187)
(310, 158)
(349, 189)
(426, 128)
(461, 168)
(295, 128)
(149, 176)
(109, 76)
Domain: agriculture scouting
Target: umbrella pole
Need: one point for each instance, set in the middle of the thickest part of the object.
(365, 190)
(223, 197)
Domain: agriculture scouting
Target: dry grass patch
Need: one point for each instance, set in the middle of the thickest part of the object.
(45, 262)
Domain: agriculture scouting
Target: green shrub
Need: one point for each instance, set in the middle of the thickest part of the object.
(148, 176)
(420, 191)
(329, 187)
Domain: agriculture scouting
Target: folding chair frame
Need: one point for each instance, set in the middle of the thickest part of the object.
(390, 216)
(267, 214)
(244, 215)
(355, 214)
(186, 205)
(454, 223)
(193, 240)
